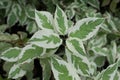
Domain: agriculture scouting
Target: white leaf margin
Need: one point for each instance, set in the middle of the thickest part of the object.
(45, 13)
(57, 28)
(20, 74)
(81, 22)
(84, 60)
(39, 34)
(71, 70)
(71, 48)
(10, 59)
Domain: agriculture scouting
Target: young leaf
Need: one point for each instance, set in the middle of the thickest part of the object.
(16, 72)
(61, 22)
(62, 70)
(29, 53)
(109, 73)
(46, 39)
(11, 55)
(44, 19)
(75, 46)
(80, 63)
(86, 28)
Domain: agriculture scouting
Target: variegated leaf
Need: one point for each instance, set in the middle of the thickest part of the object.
(100, 51)
(29, 53)
(45, 68)
(11, 55)
(49, 53)
(80, 63)
(46, 39)
(75, 46)
(12, 18)
(30, 11)
(32, 27)
(16, 72)
(63, 70)
(112, 55)
(44, 19)
(109, 73)
(86, 28)
(61, 22)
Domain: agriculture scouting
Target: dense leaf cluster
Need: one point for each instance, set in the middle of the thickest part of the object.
(59, 40)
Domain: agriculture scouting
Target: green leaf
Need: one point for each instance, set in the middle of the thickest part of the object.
(109, 73)
(100, 61)
(12, 18)
(46, 69)
(105, 2)
(30, 11)
(7, 66)
(111, 56)
(46, 39)
(3, 27)
(98, 41)
(4, 46)
(11, 55)
(80, 63)
(22, 17)
(49, 52)
(94, 3)
(75, 46)
(31, 27)
(62, 70)
(113, 5)
(61, 22)
(16, 72)
(100, 51)
(29, 53)
(44, 19)
(86, 28)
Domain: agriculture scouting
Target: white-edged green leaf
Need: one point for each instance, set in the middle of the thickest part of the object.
(22, 17)
(109, 73)
(44, 19)
(80, 63)
(63, 70)
(94, 3)
(61, 22)
(75, 46)
(86, 28)
(46, 39)
(112, 55)
(49, 52)
(100, 61)
(11, 55)
(30, 11)
(4, 46)
(16, 72)
(111, 23)
(3, 27)
(29, 53)
(32, 27)
(100, 51)
(12, 18)
(46, 68)
(98, 41)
